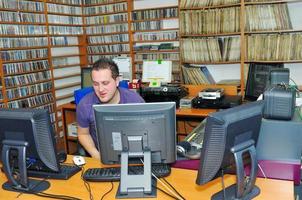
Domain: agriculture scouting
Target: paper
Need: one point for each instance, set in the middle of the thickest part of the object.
(157, 71)
(124, 65)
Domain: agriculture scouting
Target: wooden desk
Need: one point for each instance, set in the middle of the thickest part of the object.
(183, 181)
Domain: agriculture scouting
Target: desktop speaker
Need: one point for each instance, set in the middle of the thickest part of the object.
(280, 103)
(279, 76)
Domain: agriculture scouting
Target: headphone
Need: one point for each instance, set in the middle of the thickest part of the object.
(188, 150)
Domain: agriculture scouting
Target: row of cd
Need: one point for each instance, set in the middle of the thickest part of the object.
(108, 48)
(23, 42)
(29, 90)
(113, 28)
(32, 101)
(24, 67)
(103, 9)
(26, 79)
(20, 5)
(22, 17)
(104, 19)
(108, 39)
(165, 35)
(23, 54)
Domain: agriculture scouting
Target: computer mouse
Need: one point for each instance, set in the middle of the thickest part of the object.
(62, 155)
(78, 160)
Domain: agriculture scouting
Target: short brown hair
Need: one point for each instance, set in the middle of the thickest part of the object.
(105, 63)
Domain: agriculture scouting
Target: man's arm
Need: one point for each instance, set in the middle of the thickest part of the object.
(86, 141)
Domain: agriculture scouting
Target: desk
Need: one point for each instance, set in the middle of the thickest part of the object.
(187, 119)
(183, 180)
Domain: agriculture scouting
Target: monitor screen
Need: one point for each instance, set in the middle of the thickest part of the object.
(144, 132)
(224, 131)
(154, 122)
(86, 77)
(31, 127)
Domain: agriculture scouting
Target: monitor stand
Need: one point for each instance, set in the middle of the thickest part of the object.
(20, 181)
(244, 189)
(136, 186)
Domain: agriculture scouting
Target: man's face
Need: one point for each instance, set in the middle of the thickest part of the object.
(104, 85)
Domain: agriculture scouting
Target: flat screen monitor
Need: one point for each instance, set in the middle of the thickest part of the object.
(230, 134)
(136, 131)
(86, 80)
(26, 140)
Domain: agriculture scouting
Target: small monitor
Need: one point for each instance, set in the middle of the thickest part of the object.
(229, 140)
(127, 132)
(86, 80)
(26, 141)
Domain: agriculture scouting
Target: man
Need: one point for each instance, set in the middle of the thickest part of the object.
(105, 80)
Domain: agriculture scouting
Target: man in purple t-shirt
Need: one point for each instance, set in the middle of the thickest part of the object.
(105, 79)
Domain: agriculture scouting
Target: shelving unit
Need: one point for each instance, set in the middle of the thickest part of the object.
(26, 70)
(154, 39)
(205, 43)
(106, 26)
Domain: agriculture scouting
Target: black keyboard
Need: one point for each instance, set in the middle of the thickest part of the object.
(66, 171)
(114, 173)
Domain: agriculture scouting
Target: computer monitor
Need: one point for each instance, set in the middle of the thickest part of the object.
(136, 131)
(230, 138)
(26, 140)
(86, 80)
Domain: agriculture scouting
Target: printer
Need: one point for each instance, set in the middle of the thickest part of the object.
(164, 93)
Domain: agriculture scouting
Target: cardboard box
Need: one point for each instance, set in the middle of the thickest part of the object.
(72, 129)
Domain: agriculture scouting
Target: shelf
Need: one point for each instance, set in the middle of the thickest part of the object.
(29, 72)
(64, 14)
(107, 23)
(211, 7)
(23, 48)
(110, 53)
(272, 2)
(37, 82)
(112, 33)
(25, 60)
(67, 76)
(272, 31)
(57, 24)
(108, 13)
(158, 30)
(274, 61)
(141, 61)
(23, 11)
(155, 19)
(68, 86)
(67, 55)
(212, 63)
(154, 41)
(210, 34)
(66, 66)
(98, 44)
(103, 4)
(28, 96)
(157, 51)
(22, 23)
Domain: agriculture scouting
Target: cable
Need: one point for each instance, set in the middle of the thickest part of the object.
(222, 183)
(262, 170)
(87, 185)
(165, 192)
(108, 191)
(173, 190)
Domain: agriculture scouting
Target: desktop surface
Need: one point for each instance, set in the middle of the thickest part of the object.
(183, 180)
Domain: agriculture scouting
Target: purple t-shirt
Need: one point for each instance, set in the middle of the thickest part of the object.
(85, 115)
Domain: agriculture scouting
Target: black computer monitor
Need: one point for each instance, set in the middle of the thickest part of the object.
(86, 80)
(136, 131)
(26, 140)
(230, 138)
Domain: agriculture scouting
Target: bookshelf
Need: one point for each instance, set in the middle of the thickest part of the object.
(244, 32)
(154, 35)
(106, 26)
(210, 42)
(26, 71)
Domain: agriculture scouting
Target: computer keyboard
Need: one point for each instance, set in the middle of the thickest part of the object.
(66, 171)
(114, 173)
